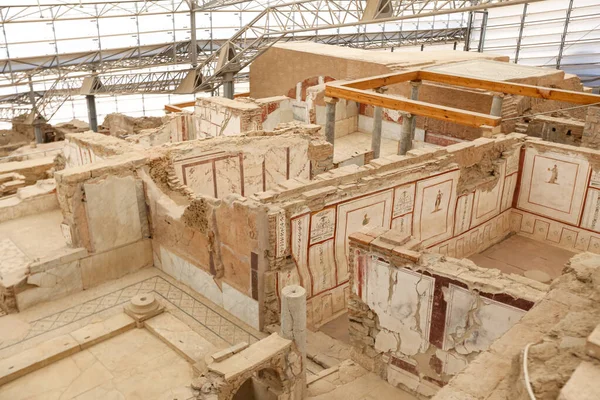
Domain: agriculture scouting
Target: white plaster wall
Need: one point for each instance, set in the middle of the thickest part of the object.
(389, 130)
(232, 300)
(404, 309)
(216, 121)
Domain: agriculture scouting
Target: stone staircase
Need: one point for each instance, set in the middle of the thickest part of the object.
(521, 127)
(175, 184)
(509, 107)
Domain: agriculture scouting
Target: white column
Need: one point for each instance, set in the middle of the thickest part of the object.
(293, 316)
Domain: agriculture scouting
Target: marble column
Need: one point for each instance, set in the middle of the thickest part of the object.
(330, 119)
(293, 324)
(377, 125)
(293, 316)
(376, 135)
(406, 137)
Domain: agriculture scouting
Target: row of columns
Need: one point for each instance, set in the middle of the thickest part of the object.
(409, 121)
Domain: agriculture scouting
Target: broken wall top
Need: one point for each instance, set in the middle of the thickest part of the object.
(393, 170)
(101, 144)
(382, 244)
(234, 104)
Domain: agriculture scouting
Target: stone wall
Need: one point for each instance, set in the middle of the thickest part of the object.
(423, 194)
(88, 147)
(105, 227)
(218, 116)
(30, 200)
(558, 198)
(556, 129)
(556, 329)
(213, 246)
(247, 165)
(177, 127)
(417, 318)
(591, 131)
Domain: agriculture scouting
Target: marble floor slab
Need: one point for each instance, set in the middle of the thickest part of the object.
(37, 236)
(209, 320)
(518, 254)
(134, 365)
(13, 263)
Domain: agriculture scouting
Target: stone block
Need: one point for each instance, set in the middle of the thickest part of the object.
(97, 332)
(37, 357)
(451, 393)
(180, 337)
(593, 343)
(113, 212)
(496, 368)
(228, 352)
(51, 284)
(583, 384)
(113, 264)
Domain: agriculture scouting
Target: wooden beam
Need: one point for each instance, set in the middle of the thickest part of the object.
(511, 88)
(414, 107)
(373, 82)
(172, 108)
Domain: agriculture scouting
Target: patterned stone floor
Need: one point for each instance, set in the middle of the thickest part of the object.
(216, 325)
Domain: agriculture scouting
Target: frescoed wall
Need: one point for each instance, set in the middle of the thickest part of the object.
(559, 198)
(543, 190)
(88, 147)
(245, 171)
(428, 315)
(433, 208)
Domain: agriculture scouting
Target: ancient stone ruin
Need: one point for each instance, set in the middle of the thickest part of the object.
(354, 227)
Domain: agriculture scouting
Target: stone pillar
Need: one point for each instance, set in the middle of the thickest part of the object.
(330, 119)
(376, 135)
(90, 100)
(228, 87)
(497, 105)
(377, 125)
(406, 137)
(414, 95)
(37, 129)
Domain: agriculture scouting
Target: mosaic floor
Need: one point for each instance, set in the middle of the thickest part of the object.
(214, 324)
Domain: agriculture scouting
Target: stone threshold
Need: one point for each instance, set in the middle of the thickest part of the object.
(61, 347)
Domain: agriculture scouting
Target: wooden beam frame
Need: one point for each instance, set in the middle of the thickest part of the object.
(415, 107)
(358, 90)
(520, 89)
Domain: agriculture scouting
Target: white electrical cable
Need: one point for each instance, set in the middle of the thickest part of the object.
(526, 373)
